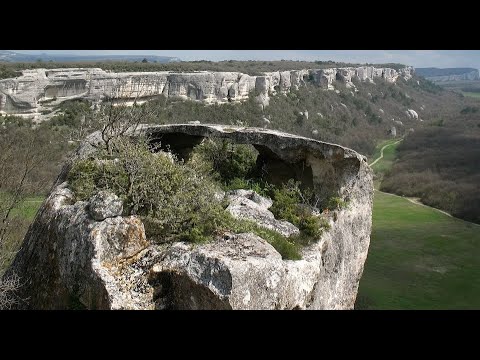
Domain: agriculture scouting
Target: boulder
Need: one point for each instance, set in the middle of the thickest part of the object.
(412, 114)
(247, 204)
(105, 205)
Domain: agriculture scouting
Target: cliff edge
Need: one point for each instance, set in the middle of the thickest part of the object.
(85, 254)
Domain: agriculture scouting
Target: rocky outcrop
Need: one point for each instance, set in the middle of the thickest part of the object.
(393, 131)
(37, 88)
(85, 254)
(412, 114)
(247, 204)
(105, 205)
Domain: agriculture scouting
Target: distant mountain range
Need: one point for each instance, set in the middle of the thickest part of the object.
(11, 56)
(448, 74)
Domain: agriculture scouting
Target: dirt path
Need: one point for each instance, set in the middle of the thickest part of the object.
(413, 200)
(381, 152)
(417, 202)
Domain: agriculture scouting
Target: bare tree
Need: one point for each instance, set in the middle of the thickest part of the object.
(8, 288)
(15, 167)
(117, 115)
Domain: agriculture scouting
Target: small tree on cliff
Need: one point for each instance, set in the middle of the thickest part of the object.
(114, 118)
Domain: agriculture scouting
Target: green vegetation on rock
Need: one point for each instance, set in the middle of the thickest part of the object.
(179, 201)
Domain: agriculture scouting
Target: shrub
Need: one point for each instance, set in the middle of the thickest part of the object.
(469, 110)
(174, 202)
(336, 202)
(294, 205)
(228, 160)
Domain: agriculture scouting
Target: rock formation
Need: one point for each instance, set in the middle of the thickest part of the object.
(412, 114)
(85, 254)
(393, 131)
(29, 93)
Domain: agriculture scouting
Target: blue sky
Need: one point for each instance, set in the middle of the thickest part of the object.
(417, 58)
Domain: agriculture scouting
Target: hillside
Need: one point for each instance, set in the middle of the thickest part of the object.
(441, 166)
(448, 74)
(445, 128)
(419, 258)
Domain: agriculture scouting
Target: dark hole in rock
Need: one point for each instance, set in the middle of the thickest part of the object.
(173, 291)
(278, 171)
(231, 94)
(180, 144)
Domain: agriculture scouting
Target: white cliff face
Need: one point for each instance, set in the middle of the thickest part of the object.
(26, 93)
(412, 114)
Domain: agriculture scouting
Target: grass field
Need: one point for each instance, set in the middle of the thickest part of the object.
(471, 94)
(419, 258)
(28, 208)
(388, 156)
(20, 219)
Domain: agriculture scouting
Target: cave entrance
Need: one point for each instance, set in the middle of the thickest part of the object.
(277, 171)
(268, 165)
(180, 144)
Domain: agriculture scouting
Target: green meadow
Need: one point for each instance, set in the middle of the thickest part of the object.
(419, 258)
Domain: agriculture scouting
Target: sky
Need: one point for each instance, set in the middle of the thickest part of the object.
(416, 58)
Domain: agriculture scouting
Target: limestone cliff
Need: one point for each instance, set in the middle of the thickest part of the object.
(28, 93)
(85, 254)
(449, 74)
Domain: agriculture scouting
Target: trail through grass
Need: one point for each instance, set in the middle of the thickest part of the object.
(419, 258)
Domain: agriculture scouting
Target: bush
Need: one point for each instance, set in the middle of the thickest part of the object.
(292, 204)
(174, 202)
(469, 110)
(336, 202)
(228, 161)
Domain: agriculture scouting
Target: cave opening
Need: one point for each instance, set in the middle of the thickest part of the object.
(270, 167)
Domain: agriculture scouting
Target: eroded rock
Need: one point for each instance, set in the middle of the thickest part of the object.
(412, 114)
(37, 89)
(104, 205)
(247, 204)
(70, 260)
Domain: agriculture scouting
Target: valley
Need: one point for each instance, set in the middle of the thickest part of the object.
(422, 142)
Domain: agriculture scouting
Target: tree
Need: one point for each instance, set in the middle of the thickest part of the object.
(118, 114)
(144, 60)
(19, 158)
